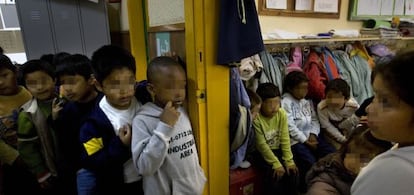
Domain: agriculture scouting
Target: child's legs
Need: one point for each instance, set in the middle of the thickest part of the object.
(134, 188)
(18, 180)
(304, 159)
(331, 141)
(324, 148)
(86, 182)
(288, 184)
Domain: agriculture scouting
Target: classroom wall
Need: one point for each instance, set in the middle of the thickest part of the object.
(292, 24)
(309, 25)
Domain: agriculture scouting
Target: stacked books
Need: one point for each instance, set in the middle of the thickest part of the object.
(407, 29)
(384, 32)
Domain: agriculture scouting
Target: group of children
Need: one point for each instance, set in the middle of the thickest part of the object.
(92, 135)
(101, 139)
(296, 139)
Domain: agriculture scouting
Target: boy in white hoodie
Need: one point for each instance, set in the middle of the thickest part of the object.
(163, 145)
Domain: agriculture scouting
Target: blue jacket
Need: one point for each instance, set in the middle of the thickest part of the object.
(67, 127)
(103, 152)
(239, 31)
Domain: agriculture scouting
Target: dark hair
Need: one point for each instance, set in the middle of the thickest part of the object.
(59, 57)
(76, 64)
(111, 57)
(6, 63)
(158, 62)
(141, 92)
(36, 65)
(267, 91)
(339, 85)
(293, 79)
(254, 98)
(397, 74)
(47, 58)
(362, 137)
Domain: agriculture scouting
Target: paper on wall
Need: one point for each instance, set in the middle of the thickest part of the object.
(327, 6)
(276, 4)
(387, 7)
(303, 5)
(399, 7)
(368, 7)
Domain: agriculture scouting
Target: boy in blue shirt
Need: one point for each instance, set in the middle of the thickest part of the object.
(74, 74)
(106, 134)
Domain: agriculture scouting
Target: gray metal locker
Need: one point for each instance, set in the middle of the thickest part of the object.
(52, 26)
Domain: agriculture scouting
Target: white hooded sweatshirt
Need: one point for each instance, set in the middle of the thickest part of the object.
(165, 156)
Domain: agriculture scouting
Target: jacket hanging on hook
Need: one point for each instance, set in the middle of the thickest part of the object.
(239, 31)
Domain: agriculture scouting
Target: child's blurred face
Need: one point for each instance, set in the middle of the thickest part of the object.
(359, 155)
(8, 82)
(119, 88)
(390, 118)
(270, 106)
(300, 91)
(40, 84)
(335, 100)
(170, 85)
(255, 111)
(76, 88)
(354, 162)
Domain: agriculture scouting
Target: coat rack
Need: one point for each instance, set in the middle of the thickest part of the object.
(284, 45)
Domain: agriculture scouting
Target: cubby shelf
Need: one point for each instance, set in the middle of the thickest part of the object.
(287, 41)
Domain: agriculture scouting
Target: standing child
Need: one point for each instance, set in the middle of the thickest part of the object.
(36, 140)
(163, 146)
(272, 141)
(106, 134)
(12, 97)
(391, 118)
(336, 112)
(307, 144)
(74, 74)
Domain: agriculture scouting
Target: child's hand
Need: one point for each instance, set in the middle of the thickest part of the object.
(292, 170)
(56, 107)
(313, 138)
(170, 114)
(124, 134)
(312, 141)
(278, 173)
(311, 145)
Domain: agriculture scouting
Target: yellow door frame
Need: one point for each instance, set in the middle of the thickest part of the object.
(137, 36)
(208, 85)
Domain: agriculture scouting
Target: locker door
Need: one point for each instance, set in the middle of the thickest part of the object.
(66, 26)
(37, 33)
(95, 27)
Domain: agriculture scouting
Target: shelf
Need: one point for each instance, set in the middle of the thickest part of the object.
(287, 41)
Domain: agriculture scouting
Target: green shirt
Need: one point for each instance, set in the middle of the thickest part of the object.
(272, 134)
(37, 146)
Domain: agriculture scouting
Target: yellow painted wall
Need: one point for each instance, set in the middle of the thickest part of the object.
(309, 25)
